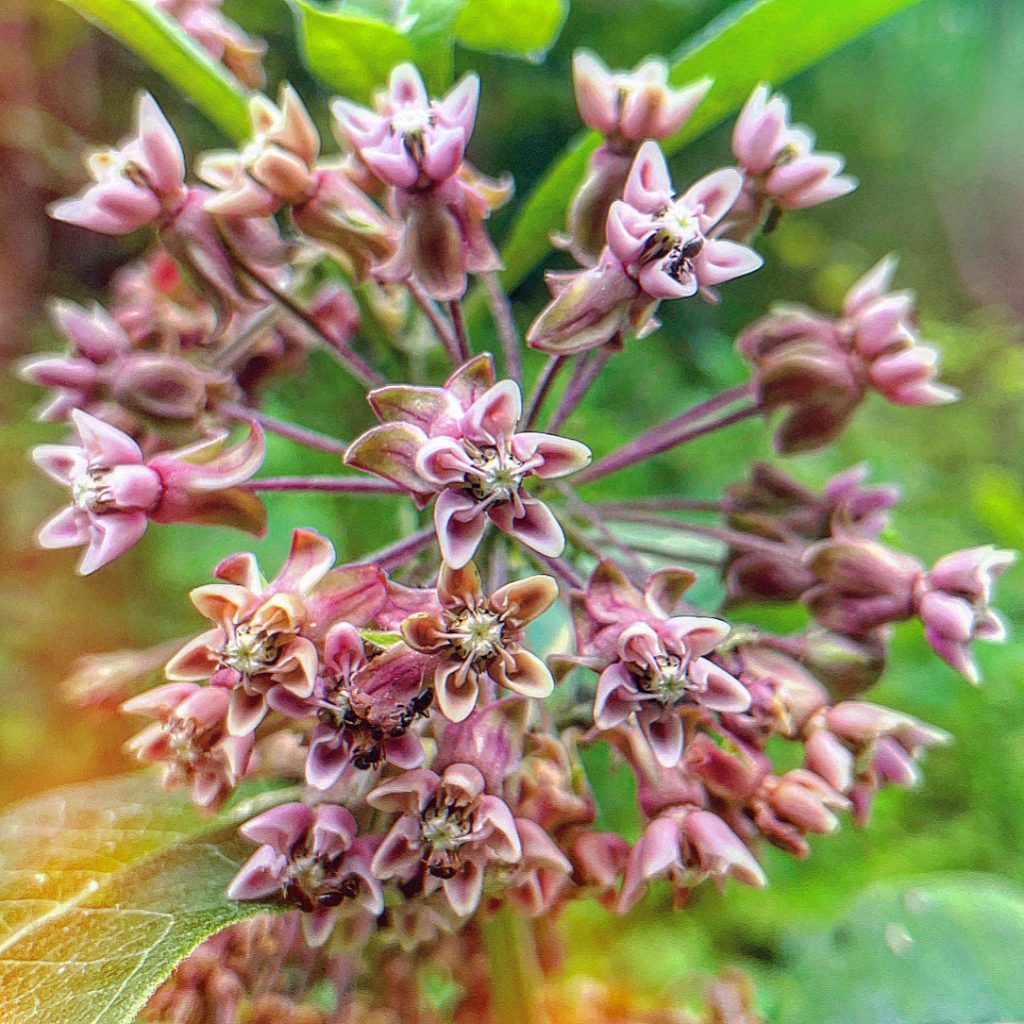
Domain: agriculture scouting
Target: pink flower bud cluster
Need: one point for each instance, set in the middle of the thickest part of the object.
(818, 370)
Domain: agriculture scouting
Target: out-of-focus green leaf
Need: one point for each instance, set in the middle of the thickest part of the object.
(927, 951)
(614, 789)
(766, 40)
(525, 28)
(104, 887)
(350, 51)
(158, 40)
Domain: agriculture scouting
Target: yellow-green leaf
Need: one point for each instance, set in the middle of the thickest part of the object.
(158, 40)
(525, 28)
(104, 887)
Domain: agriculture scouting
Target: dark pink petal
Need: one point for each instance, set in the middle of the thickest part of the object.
(61, 462)
(334, 830)
(318, 926)
(398, 856)
(713, 196)
(615, 698)
(464, 889)
(405, 751)
(721, 691)
(310, 558)
(327, 758)
(442, 461)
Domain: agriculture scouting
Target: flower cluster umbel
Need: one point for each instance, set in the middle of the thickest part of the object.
(434, 738)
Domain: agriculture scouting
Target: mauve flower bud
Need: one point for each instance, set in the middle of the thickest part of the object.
(587, 216)
(588, 309)
(847, 667)
(163, 387)
(862, 585)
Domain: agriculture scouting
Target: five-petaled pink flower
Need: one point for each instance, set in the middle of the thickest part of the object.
(366, 707)
(460, 442)
(115, 491)
(189, 740)
(655, 662)
(264, 644)
(477, 640)
(955, 604)
(666, 242)
(411, 141)
(687, 845)
(141, 182)
(778, 159)
(448, 831)
(310, 857)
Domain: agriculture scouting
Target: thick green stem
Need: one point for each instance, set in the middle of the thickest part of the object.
(515, 972)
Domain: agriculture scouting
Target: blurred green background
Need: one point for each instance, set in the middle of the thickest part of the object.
(926, 111)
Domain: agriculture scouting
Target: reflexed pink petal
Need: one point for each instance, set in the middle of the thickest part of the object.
(722, 692)
(406, 403)
(390, 451)
(197, 659)
(494, 415)
(596, 92)
(407, 793)
(318, 926)
(720, 851)
(334, 829)
(872, 285)
(442, 152)
(472, 379)
(105, 445)
(398, 855)
(458, 108)
(463, 890)
(713, 195)
(503, 841)
(246, 711)
(759, 127)
(456, 690)
(664, 732)
(527, 599)
(949, 615)
(723, 260)
(615, 698)
(559, 456)
(665, 588)
(259, 877)
(442, 461)
(648, 187)
(281, 827)
(309, 559)
(159, 702)
(696, 634)
(537, 527)
(67, 529)
(404, 751)
(111, 535)
(327, 758)
(530, 676)
(460, 524)
(165, 162)
(658, 849)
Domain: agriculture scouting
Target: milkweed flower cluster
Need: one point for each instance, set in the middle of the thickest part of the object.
(432, 742)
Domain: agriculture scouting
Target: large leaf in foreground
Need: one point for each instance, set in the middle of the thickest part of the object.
(158, 40)
(763, 41)
(104, 887)
(945, 950)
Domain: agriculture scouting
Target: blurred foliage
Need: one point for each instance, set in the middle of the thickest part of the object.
(924, 109)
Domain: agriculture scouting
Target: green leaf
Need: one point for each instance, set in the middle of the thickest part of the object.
(350, 51)
(158, 40)
(766, 40)
(614, 789)
(380, 638)
(104, 887)
(525, 28)
(930, 951)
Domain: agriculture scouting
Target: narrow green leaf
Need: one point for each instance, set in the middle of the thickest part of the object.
(942, 949)
(522, 28)
(351, 52)
(764, 40)
(158, 40)
(104, 887)
(431, 30)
